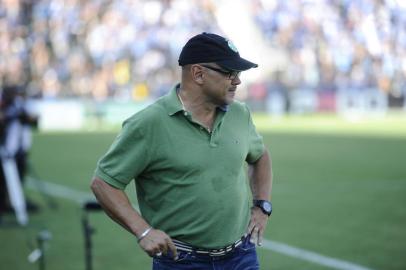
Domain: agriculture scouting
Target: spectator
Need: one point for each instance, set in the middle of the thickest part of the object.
(64, 45)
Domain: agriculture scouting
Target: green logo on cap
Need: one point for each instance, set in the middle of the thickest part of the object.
(232, 46)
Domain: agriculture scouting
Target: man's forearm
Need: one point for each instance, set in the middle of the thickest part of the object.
(118, 207)
(260, 174)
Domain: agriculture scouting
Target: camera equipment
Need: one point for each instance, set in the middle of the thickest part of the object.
(14, 188)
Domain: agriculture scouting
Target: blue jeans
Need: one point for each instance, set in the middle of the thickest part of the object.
(243, 257)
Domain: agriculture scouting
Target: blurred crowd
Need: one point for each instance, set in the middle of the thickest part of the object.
(336, 44)
(123, 49)
(128, 49)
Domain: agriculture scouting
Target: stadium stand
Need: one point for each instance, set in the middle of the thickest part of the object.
(127, 50)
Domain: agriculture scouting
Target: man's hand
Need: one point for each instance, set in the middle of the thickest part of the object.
(158, 242)
(257, 225)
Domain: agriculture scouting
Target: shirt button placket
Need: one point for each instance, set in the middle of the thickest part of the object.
(213, 142)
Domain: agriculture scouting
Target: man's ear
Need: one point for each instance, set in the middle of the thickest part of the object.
(197, 73)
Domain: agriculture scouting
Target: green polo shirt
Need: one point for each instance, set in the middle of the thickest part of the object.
(190, 183)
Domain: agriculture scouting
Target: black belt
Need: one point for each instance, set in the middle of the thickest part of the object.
(209, 252)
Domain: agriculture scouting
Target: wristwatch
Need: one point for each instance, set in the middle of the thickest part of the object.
(265, 206)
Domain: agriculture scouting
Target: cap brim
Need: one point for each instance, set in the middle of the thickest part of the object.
(239, 64)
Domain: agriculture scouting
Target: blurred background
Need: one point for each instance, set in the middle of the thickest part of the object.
(328, 97)
(89, 57)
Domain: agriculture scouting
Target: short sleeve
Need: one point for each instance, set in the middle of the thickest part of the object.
(255, 142)
(127, 157)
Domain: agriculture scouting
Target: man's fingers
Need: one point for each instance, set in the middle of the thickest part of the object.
(254, 235)
(153, 252)
(249, 229)
(172, 248)
(158, 244)
(257, 226)
(260, 237)
(163, 247)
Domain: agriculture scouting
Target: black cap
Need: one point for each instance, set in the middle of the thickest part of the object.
(207, 48)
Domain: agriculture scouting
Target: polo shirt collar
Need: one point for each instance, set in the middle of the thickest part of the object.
(173, 104)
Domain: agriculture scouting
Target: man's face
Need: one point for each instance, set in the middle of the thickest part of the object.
(221, 84)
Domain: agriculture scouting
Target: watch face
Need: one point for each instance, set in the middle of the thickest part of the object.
(267, 207)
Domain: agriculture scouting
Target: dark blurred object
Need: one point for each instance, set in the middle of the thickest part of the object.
(27, 119)
(92, 206)
(32, 207)
(88, 230)
(15, 143)
(38, 254)
(13, 106)
(396, 101)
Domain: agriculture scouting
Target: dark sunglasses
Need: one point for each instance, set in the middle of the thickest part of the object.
(232, 75)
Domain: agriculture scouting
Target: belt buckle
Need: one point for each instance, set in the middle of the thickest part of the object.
(221, 252)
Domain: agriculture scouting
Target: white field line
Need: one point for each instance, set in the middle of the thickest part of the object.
(59, 190)
(298, 253)
(310, 256)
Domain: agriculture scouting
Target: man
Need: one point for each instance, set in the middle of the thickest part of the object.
(15, 143)
(186, 153)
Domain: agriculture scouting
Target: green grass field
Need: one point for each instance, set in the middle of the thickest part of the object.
(339, 190)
